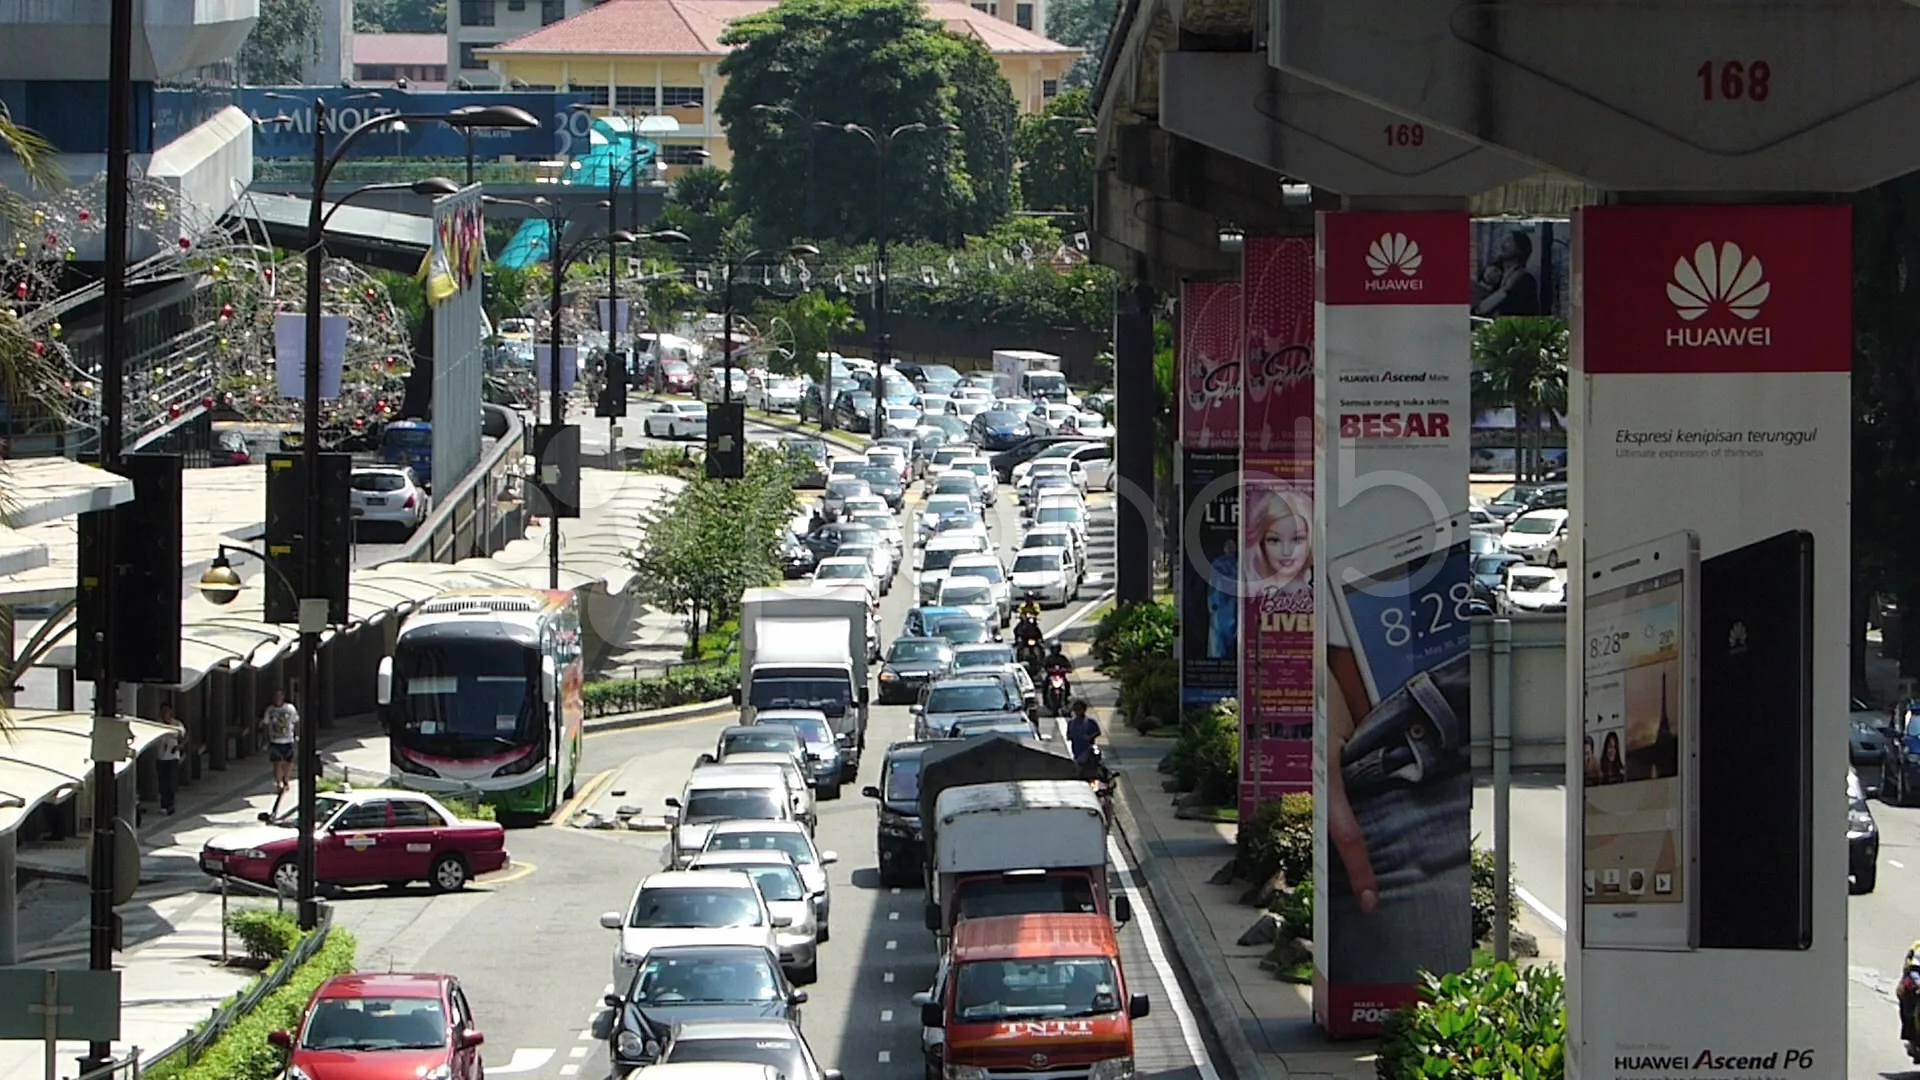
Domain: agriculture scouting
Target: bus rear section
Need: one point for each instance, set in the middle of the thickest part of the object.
(409, 443)
(481, 698)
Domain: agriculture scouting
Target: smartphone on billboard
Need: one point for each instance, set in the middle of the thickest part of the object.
(1756, 745)
(1639, 701)
(1405, 605)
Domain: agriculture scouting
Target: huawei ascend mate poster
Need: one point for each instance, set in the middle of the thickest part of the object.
(1710, 425)
(1393, 791)
(1208, 359)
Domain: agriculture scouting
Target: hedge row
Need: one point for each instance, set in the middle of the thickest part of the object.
(242, 1052)
(680, 686)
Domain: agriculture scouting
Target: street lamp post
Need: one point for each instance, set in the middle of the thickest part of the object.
(882, 140)
(313, 613)
(794, 251)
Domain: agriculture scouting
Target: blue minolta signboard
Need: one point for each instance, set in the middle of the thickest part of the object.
(562, 131)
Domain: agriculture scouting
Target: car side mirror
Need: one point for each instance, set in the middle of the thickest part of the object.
(781, 922)
(735, 695)
(383, 682)
(611, 920)
(1122, 910)
(931, 1015)
(469, 1038)
(832, 1074)
(916, 710)
(613, 1001)
(798, 997)
(869, 792)
(673, 801)
(708, 759)
(1138, 1006)
(828, 858)
(281, 1039)
(934, 921)
(264, 816)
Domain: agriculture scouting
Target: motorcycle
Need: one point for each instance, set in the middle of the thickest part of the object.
(1029, 652)
(1908, 997)
(1056, 691)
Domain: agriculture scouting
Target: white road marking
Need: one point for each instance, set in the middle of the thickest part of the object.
(1540, 908)
(892, 945)
(895, 890)
(886, 977)
(893, 916)
(569, 1070)
(607, 989)
(524, 1060)
(1896, 864)
(578, 1052)
(587, 1036)
(886, 1057)
(886, 1016)
(1189, 1029)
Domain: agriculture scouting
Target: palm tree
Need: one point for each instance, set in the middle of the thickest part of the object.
(1520, 362)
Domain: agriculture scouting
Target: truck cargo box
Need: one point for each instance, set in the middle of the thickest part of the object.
(1018, 825)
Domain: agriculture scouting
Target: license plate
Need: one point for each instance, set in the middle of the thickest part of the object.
(376, 500)
(214, 865)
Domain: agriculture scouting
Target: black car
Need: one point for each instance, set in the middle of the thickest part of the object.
(885, 483)
(1863, 839)
(914, 446)
(808, 458)
(797, 560)
(818, 399)
(910, 664)
(853, 411)
(898, 840)
(929, 378)
(826, 540)
(998, 429)
(679, 983)
(1004, 461)
(1526, 498)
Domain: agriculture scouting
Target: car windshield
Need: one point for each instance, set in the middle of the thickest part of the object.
(841, 571)
(379, 481)
(999, 418)
(964, 521)
(466, 697)
(1534, 526)
(920, 650)
(903, 778)
(1051, 514)
(1490, 564)
(1518, 493)
(324, 807)
(998, 656)
(777, 881)
(671, 367)
(1039, 538)
(1531, 582)
(1049, 466)
(963, 595)
(988, 569)
(784, 1055)
(1036, 563)
(844, 488)
(880, 476)
(722, 804)
(675, 980)
(793, 843)
(953, 484)
(376, 1023)
(962, 631)
(975, 466)
(761, 741)
(941, 558)
(811, 729)
(1057, 987)
(960, 502)
(694, 908)
(958, 699)
(950, 425)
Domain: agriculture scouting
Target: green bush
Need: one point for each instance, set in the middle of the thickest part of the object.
(1133, 632)
(1149, 692)
(680, 686)
(1206, 754)
(1483, 894)
(266, 933)
(683, 462)
(469, 810)
(242, 1052)
(1490, 1020)
(1278, 840)
(1295, 909)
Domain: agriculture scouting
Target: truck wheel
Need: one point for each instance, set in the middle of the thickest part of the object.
(1864, 881)
(808, 975)
(828, 794)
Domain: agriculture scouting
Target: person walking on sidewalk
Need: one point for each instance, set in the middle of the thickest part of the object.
(167, 752)
(281, 724)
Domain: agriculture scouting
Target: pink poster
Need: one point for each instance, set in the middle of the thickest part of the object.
(1276, 521)
(1209, 357)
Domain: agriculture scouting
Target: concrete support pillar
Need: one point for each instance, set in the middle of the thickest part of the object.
(9, 901)
(63, 689)
(1136, 404)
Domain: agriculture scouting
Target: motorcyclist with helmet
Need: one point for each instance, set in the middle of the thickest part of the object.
(1057, 664)
(1907, 994)
(1028, 646)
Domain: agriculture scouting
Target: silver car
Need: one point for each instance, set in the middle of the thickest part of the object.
(387, 495)
(822, 751)
(791, 838)
(796, 916)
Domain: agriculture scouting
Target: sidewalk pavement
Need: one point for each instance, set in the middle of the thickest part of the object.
(1264, 1025)
(171, 969)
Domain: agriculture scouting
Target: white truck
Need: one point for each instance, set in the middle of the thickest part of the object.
(1017, 847)
(1027, 373)
(807, 649)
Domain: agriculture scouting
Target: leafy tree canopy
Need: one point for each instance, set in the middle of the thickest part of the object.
(400, 16)
(1022, 273)
(1056, 165)
(1083, 24)
(284, 36)
(881, 64)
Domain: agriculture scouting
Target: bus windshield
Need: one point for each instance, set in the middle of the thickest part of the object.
(467, 697)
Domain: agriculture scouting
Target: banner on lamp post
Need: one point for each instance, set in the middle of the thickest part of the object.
(621, 316)
(1209, 379)
(569, 367)
(1276, 521)
(1393, 791)
(1711, 446)
(290, 351)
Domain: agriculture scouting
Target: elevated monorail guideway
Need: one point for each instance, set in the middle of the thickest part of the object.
(1668, 96)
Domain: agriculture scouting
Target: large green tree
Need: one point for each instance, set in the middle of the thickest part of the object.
(284, 36)
(804, 69)
(1083, 24)
(400, 16)
(1056, 162)
(1520, 363)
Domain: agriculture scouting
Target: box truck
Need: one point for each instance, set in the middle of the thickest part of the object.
(807, 649)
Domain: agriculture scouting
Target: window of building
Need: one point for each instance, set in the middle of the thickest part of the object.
(516, 5)
(596, 95)
(1023, 16)
(633, 97)
(552, 11)
(476, 12)
(678, 96)
(1050, 88)
(682, 154)
(470, 62)
(988, 7)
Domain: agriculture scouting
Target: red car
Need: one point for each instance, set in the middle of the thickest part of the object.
(677, 377)
(376, 1027)
(371, 837)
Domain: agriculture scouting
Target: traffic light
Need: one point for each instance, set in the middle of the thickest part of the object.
(554, 488)
(612, 403)
(144, 539)
(286, 535)
(726, 441)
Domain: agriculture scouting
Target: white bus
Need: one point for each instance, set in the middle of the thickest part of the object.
(481, 698)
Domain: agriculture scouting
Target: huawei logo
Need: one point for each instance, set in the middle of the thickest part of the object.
(1394, 260)
(1718, 279)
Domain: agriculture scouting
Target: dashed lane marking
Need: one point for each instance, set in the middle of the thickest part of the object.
(578, 1052)
(886, 1016)
(895, 890)
(569, 1070)
(886, 1057)
(893, 916)
(1896, 864)
(1189, 1029)
(524, 1060)
(886, 977)
(892, 945)
(587, 1036)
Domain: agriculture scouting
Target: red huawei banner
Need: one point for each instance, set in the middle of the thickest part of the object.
(1397, 260)
(1276, 521)
(1713, 289)
(1209, 358)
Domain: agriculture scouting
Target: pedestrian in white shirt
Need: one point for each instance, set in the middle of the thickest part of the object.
(281, 724)
(167, 752)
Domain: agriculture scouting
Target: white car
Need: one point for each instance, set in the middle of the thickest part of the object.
(1539, 536)
(850, 568)
(1533, 589)
(387, 495)
(988, 566)
(937, 561)
(1064, 467)
(968, 408)
(944, 457)
(1045, 572)
(935, 404)
(789, 837)
(1068, 511)
(902, 418)
(1055, 452)
(683, 907)
(773, 393)
(715, 793)
(1051, 418)
(677, 419)
(982, 471)
(793, 773)
(973, 595)
(937, 507)
(881, 521)
(787, 898)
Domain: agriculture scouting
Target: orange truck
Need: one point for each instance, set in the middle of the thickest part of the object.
(1031, 995)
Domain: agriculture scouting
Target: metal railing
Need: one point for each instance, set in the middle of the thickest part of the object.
(196, 1042)
(469, 520)
(125, 1067)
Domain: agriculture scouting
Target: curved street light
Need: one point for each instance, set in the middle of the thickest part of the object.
(797, 252)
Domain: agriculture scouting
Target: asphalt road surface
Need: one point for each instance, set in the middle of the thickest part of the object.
(535, 961)
(1880, 925)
